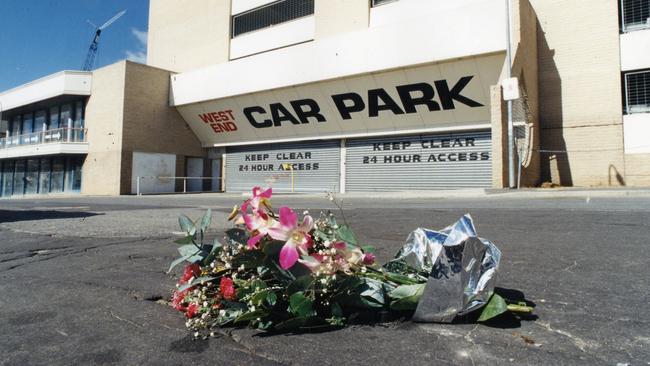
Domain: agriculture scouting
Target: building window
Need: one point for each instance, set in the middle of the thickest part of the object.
(269, 15)
(380, 2)
(637, 91)
(635, 14)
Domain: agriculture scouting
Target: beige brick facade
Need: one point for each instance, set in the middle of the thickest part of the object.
(188, 34)
(105, 116)
(580, 92)
(150, 124)
(129, 111)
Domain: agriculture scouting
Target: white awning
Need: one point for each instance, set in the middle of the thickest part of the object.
(61, 83)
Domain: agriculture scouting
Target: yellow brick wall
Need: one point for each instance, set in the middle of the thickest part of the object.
(104, 116)
(150, 124)
(637, 168)
(580, 91)
(188, 34)
(340, 16)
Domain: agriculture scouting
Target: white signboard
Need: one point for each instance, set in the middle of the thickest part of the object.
(442, 95)
(510, 89)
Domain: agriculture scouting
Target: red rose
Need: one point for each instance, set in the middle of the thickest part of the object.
(369, 259)
(192, 310)
(178, 298)
(192, 270)
(227, 288)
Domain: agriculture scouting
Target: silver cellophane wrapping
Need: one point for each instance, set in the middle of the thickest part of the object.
(462, 270)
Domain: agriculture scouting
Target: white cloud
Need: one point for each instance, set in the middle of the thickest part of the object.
(136, 56)
(140, 53)
(142, 36)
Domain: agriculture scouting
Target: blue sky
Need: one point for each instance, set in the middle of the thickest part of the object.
(41, 37)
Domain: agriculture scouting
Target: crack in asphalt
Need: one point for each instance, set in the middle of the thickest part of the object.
(69, 253)
(251, 350)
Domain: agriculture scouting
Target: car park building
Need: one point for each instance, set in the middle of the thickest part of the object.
(345, 95)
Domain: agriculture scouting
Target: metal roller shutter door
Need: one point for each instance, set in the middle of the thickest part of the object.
(420, 162)
(316, 167)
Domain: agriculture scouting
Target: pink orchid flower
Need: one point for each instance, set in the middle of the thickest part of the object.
(259, 197)
(259, 224)
(259, 221)
(296, 236)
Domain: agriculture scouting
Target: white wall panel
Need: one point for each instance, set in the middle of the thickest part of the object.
(635, 50)
(153, 166)
(62, 83)
(285, 34)
(240, 6)
(637, 133)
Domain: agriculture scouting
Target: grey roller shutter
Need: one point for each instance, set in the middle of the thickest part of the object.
(316, 167)
(420, 162)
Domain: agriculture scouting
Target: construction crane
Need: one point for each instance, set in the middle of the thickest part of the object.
(92, 50)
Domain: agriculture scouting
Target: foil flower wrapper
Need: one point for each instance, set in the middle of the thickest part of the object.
(462, 270)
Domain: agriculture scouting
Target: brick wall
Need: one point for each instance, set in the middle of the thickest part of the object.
(150, 124)
(580, 92)
(104, 117)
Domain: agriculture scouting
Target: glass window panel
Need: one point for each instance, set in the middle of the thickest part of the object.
(78, 115)
(44, 177)
(54, 117)
(19, 178)
(78, 121)
(39, 121)
(7, 178)
(73, 175)
(28, 125)
(66, 116)
(58, 173)
(15, 130)
(31, 177)
(66, 121)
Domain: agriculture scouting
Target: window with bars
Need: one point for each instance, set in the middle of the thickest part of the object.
(635, 14)
(637, 92)
(269, 15)
(381, 2)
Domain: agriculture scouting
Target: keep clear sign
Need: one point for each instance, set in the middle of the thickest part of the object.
(313, 166)
(449, 160)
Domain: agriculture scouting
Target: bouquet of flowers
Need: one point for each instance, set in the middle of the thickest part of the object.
(277, 271)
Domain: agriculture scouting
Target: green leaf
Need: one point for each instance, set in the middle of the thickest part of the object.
(337, 311)
(369, 294)
(187, 225)
(251, 315)
(300, 306)
(271, 298)
(196, 281)
(188, 250)
(293, 323)
(206, 220)
(186, 240)
(406, 297)
(214, 251)
(495, 307)
(299, 285)
(272, 249)
(177, 262)
(369, 249)
(344, 233)
(373, 293)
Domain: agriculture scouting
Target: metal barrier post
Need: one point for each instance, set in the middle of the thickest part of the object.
(184, 185)
(137, 186)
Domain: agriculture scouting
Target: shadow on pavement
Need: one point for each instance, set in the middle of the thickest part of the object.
(36, 215)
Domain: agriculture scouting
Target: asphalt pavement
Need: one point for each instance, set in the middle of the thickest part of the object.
(83, 282)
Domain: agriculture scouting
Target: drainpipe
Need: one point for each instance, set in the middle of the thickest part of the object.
(511, 137)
